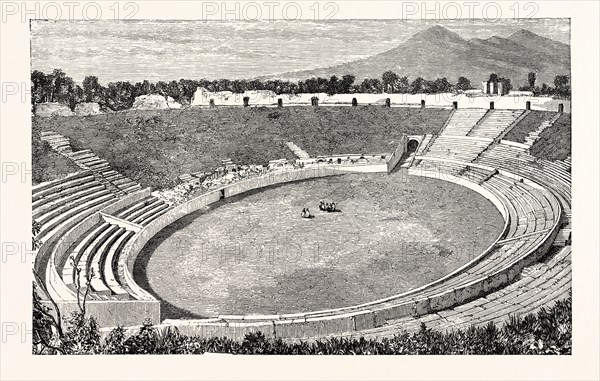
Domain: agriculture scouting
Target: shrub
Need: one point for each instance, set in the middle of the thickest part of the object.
(547, 332)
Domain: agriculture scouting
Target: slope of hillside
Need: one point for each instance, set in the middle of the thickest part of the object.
(541, 44)
(155, 147)
(528, 124)
(437, 52)
(555, 141)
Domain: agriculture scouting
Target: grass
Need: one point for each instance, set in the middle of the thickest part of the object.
(46, 164)
(254, 254)
(528, 124)
(555, 141)
(155, 147)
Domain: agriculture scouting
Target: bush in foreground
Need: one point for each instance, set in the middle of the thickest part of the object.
(547, 332)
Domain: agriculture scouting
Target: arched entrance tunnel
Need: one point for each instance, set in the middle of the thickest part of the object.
(412, 146)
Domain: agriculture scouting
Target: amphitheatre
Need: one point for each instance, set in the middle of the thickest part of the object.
(451, 214)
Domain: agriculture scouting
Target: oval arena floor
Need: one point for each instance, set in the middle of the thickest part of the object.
(254, 254)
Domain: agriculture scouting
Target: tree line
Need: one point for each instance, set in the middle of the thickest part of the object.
(561, 88)
(58, 87)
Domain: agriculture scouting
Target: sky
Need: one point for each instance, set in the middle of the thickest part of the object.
(170, 50)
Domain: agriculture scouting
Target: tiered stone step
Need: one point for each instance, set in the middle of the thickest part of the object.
(517, 160)
(461, 148)
(441, 168)
(540, 285)
(462, 121)
(58, 142)
(424, 145)
(48, 192)
(478, 175)
(71, 198)
(563, 238)
(87, 160)
(299, 152)
(98, 250)
(533, 136)
(495, 123)
(227, 164)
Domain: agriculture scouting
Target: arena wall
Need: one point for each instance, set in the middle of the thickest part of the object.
(139, 240)
(397, 154)
(350, 319)
(113, 313)
(440, 100)
(370, 315)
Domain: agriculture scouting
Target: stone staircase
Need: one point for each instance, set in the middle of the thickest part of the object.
(299, 152)
(462, 121)
(495, 122)
(563, 238)
(422, 148)
(57, 142)
(535, 135)
(87, 160)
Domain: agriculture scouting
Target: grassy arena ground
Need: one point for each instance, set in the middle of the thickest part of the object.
(155, 147)
(254, 254)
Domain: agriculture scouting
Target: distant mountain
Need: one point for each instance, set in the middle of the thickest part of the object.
(437, 52)
(541, 44)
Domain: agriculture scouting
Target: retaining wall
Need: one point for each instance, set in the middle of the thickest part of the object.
(139, 240)
(440, 100)
(374, 314)
(112, 313)
(355, 318)
(397, 154)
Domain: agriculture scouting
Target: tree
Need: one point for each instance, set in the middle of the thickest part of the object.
(531, 77)
(403, 86)
(561, 83)
(188, 88)
(41, 87)
(311, 85)
(119, 95)
(442, 85)
(417, 85)
(47, 332)
(322, 84)
(238, 85)
(371, 85)
(389, 79)
(332, 86)
(346, 84)
(463, 84)
(62, 84)
(76, 96)
(91, 87)
(429, 87)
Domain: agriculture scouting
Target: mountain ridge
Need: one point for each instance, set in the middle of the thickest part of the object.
(437, 52)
